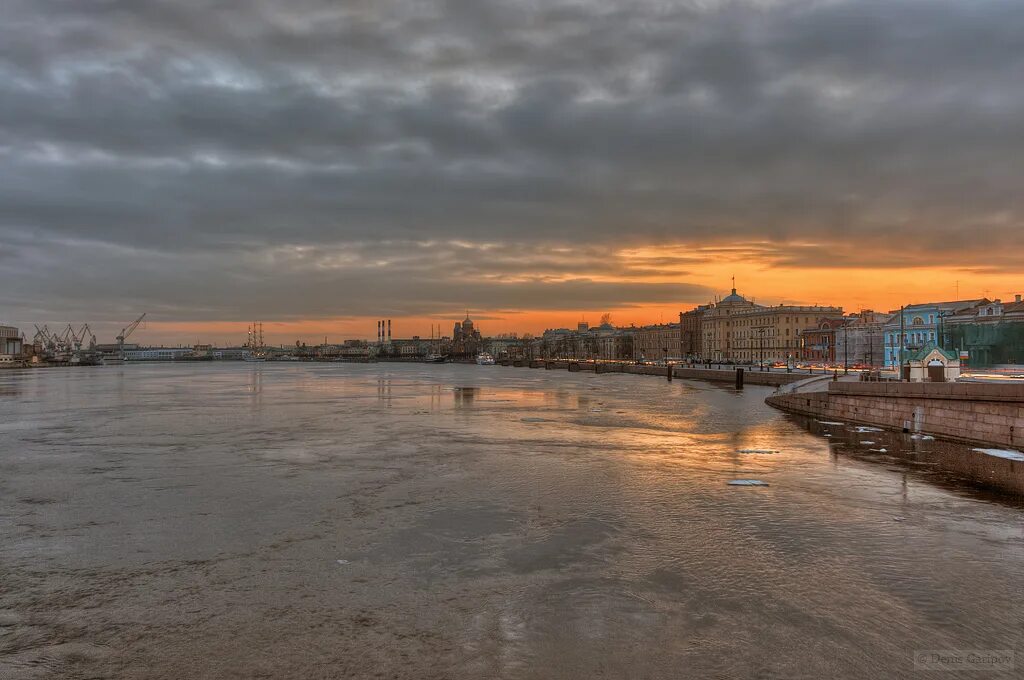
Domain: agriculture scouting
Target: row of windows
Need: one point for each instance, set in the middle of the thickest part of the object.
(914, 336)
(764, 323)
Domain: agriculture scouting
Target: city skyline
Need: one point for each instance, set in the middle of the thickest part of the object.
(493, 322)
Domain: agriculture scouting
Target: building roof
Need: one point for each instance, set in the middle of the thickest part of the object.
(1013, 307)
(733, 297)
(953, 304)
(930, 347)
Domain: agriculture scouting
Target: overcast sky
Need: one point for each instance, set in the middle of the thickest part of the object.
(305, 159)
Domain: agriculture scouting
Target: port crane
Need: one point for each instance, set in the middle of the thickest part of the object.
(64, 345)
(125, 333)
(46, 340)
(78, 338)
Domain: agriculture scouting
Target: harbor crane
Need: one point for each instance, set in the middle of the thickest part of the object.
(125, 333)
(65, 345)
(78, 338)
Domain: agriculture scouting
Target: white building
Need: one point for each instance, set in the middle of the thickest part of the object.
(157, 354)
(11, 344)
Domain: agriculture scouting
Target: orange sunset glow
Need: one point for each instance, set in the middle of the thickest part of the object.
(854, 289)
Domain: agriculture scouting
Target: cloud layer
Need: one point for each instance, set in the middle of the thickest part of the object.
(309, 158)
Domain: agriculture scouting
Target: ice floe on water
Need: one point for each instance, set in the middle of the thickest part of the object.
(1003, 453)
(864, 428)
(747, 482)
(756, 451)
(867, 443)
(830, 422)
(826, 435)
(922, 437)
(879, 450)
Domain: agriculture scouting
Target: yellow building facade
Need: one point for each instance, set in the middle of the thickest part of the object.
(737, 329)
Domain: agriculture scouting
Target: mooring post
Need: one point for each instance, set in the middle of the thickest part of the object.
(669, 372)
(739, 378)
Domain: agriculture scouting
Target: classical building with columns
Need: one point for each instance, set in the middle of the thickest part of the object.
(737, 329)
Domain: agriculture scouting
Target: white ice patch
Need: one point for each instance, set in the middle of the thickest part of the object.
(756, 451)
(922, 437)
(879, 450)
(1003, 453)
(863, 429)
(867, 443)
(747, 482)
(829, 422)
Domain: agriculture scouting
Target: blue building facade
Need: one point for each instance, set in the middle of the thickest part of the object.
(922, 325)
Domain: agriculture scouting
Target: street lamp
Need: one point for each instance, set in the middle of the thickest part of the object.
(760, 360)
(846, 350)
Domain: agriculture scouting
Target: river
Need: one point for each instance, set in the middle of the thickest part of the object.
(233, 520)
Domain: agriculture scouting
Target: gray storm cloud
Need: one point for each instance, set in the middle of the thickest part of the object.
(178, 156)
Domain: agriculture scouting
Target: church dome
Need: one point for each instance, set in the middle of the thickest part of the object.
(733, 297)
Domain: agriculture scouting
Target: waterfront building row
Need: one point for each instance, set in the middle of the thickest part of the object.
(735, 329)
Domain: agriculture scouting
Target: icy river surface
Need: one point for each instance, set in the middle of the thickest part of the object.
(284, 520)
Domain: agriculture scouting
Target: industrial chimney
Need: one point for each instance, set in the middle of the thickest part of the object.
(389, 331)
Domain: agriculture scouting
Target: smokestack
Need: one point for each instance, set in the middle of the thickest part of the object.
(389, 330)
(378, 331)
(1016, 298)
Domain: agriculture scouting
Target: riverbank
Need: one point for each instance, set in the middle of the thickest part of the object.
(750, 375)
(985, 415)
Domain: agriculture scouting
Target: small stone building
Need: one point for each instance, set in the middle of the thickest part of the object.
(931, 363)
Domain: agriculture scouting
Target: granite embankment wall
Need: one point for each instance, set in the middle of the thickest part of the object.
(750, 376)
(975, 413)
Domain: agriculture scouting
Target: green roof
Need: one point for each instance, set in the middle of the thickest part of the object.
(920, 354)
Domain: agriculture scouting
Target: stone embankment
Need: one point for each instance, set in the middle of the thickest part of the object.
(751, 376)
(981, 414)
(975, 413)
